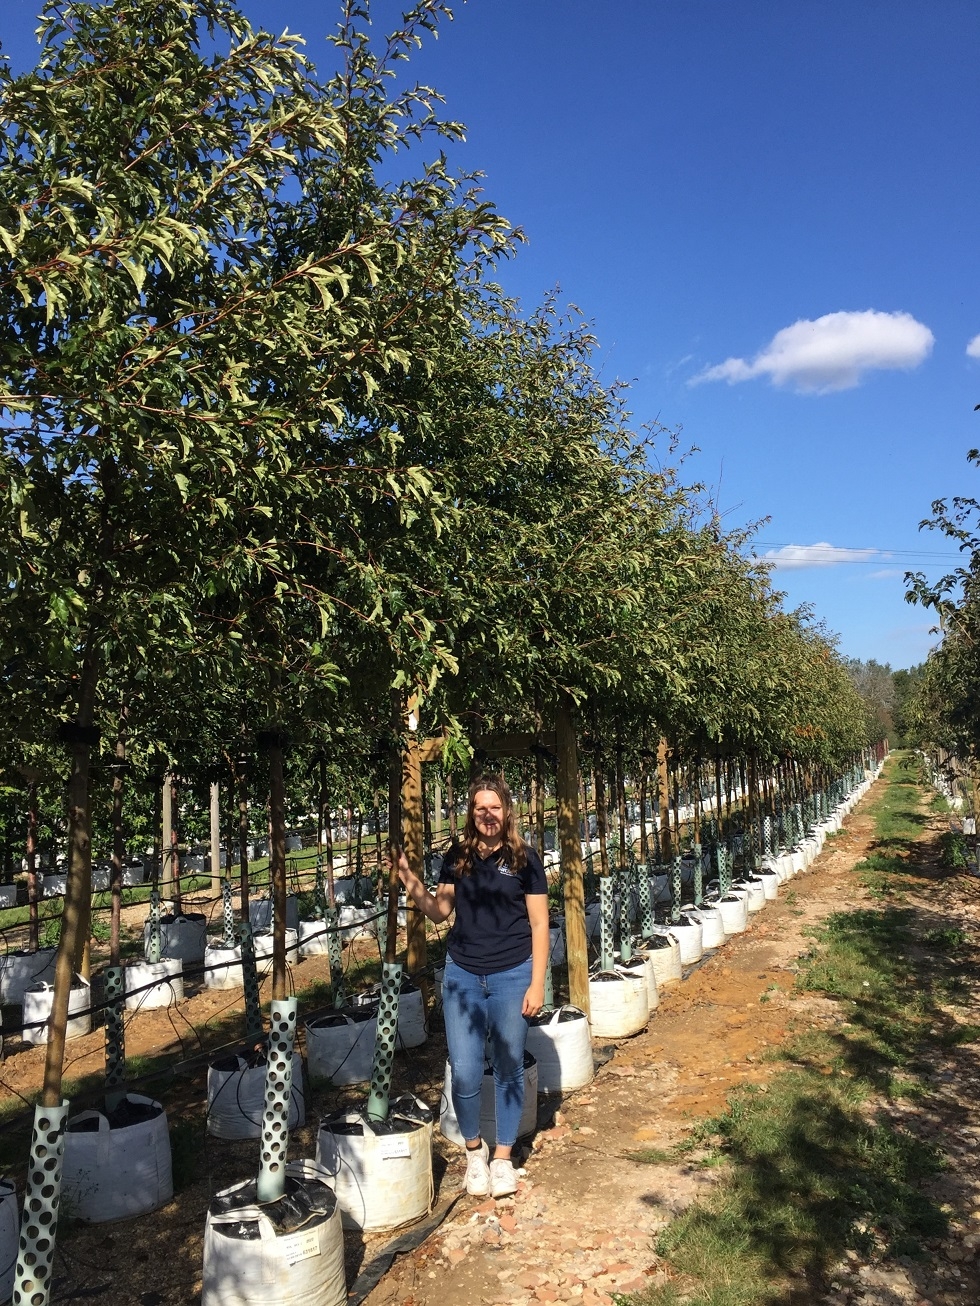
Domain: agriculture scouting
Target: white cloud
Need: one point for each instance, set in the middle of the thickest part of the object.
(886, 573)
(792, 557)
(833, 352)
(973, 348)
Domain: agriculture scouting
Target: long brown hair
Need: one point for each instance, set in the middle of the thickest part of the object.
(513, 850)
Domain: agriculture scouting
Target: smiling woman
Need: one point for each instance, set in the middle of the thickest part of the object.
(494, 981)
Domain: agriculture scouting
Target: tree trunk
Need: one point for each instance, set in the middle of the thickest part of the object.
(573, 870)
(663, 803)
(167, 878)
(215, 838)
(601, 817)
(118, 781)
(277, 866)
(412, 844)
(621, 803)
(451, 809)
(242, 778)
(32, 864)
(79, 886)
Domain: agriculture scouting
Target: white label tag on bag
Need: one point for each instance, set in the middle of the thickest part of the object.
(300, 1246)
(392, 1146)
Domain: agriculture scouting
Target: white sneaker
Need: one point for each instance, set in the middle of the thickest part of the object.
(503, 1179)
(477, 1171)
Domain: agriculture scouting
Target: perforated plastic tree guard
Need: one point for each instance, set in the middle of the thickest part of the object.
(384, 1047)
(381, 1171)
(115, 1032)
(250, 979)
(153, 942)
(607, 917)
(228, 915)
(8, 1238)
(117, 1162)
(39, 1223)
(275, 1116)
(290, 1251)
(676, 881)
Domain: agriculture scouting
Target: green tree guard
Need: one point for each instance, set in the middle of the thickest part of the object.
(228, 914)
(39, 1222)
(335, 953)
(271, 1183)
(646, 902)
(675, 889)
(153, 943)
(625, 939)
(115, 1036)
(384, 1046)
(250, 980)
(607, 917)
(698, 876)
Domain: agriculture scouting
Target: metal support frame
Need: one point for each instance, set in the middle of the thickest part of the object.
(384, 1046)
(278, 1089)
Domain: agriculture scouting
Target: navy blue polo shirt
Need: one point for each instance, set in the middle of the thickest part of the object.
(491, 931)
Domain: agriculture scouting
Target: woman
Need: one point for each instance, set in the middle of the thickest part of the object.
(494, 980)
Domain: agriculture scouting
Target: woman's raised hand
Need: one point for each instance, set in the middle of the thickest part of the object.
(399, 862)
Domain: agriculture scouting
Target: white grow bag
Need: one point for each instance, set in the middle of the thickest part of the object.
(236, 1096)
(412, 1030)
(734, 910)
(263, 950)
(712, 926)
(272, 1268)
(561, 1043)
(113, 1174)
(181, 937)
(449, 1125)
(618, 1005)
(687, 932)
(9, 1235)
(260, 913)
(641, 966)
(313, 938)
(19, 970)
(382, 1179)
(358, 922)
(770, 883)
(164, 978)
(38, 1001)
(8, 898)
(223, 966)
(665, 953)
(755, 890)
(340, 1046)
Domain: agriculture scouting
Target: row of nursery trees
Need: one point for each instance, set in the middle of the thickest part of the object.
(941, 711)
(289, 482)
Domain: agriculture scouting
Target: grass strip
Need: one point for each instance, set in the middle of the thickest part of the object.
(811, 1165)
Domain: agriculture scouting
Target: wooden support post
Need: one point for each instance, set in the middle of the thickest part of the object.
(573, 871)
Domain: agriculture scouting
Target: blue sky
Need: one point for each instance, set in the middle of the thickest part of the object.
(700, 175)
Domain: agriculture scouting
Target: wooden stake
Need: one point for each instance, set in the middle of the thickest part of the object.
(573, 870)
(663, 803)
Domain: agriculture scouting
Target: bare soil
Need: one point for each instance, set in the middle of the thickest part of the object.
(583, 1224)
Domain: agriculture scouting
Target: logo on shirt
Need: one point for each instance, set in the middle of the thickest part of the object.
(505, 869)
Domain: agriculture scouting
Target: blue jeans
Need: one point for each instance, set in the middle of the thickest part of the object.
(478, 1008)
